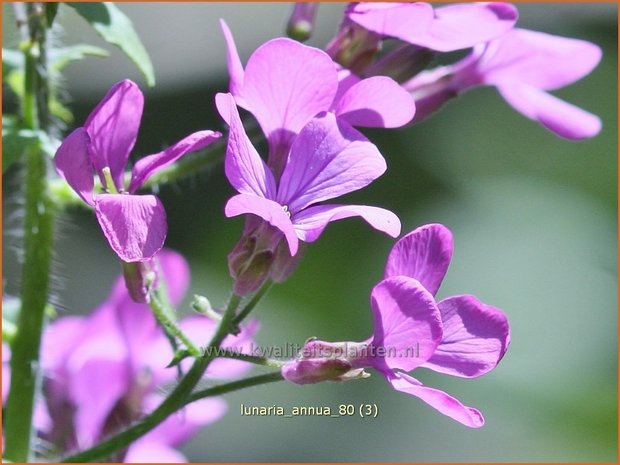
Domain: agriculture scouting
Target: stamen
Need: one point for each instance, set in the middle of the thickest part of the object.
(110, 186)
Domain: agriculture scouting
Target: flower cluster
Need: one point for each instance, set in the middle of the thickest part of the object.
(109, 370)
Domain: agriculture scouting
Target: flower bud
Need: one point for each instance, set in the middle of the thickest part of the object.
(315, 370)
(251, 260)
(301, 23)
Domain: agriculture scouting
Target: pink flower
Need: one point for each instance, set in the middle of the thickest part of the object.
(134, 225)
(285, 84)
(458, 335)
(105, 370)
(444, 29)
(523, 65)
(326, 160)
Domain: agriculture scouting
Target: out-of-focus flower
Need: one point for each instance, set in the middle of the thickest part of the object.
(326, 160)
(285, 84)
(134, 225)
(523, 65)
(459, 335)
(104, 371)
(6, 371)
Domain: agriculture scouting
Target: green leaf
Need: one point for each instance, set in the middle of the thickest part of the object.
(15, 142)
(116, 28)
(179, 356)
(60, 58)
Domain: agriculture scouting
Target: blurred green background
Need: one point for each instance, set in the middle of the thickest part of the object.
(534, 219)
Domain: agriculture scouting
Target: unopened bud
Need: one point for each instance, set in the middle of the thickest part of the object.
(301, 23)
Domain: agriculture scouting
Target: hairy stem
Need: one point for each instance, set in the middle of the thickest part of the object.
(163, 315)
(255, 359)
(38, 225)
(250, 305)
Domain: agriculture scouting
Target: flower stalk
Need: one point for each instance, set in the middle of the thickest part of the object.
(38, 226)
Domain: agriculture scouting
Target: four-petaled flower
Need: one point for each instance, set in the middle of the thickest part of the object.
(285, 84)
(523, 65)
(134, 225)
(458, 335)
(326, 160)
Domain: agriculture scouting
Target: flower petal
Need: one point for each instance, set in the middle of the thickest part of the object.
(423, 254)
(445, 29)
(328, 159)
(183, 424)
(560, 117)
(270, 211)
(113, 128)
(407, 323)
(94, 391)
(144, 451)
(464, 25)
(176, 272)
(60, 339)
(135, 225)
(310, 223)
(286, 84)
(73, 163)
(151, 164)
(437, 399)
(200, 328)
(235, 68)
(376, 102)
(541, 60)
(245, 169)
(404, 21)
(475, 337)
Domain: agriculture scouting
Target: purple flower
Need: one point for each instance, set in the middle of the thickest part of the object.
(285, 84)
(523, 65)
(134, 225)
(443, 29)
(458, 335)
(327, 159)
(103, 371)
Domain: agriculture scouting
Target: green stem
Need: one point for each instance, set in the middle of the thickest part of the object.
(255, 359)
(250, 305)
(170, 326)
(235, 386)
(175, 401)
(38, 225)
